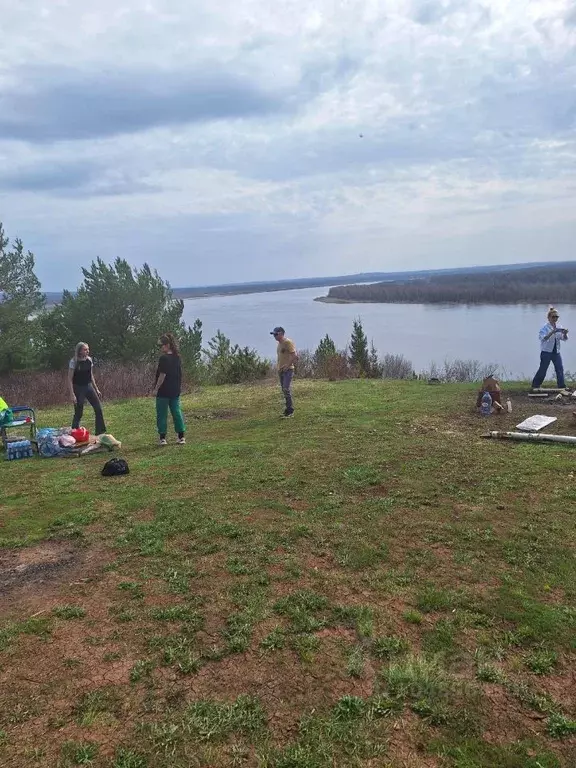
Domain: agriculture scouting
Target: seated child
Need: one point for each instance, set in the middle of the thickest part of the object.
(492, 386)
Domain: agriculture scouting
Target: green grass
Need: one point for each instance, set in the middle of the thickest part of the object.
(79, 753)
(96, 706)
(287, 593)
(386, 647)
(69, 612)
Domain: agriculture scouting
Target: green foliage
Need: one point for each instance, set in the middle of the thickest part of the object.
(542, 661)
(386, 647)
(274, 641)
(358, 354)
(355, 665)
(560, 727)
(324, 351)
(79, 753)
(375, 367)
(362, 357)
(20, 300)
(119, 310)
(142, 670)
(479, 754)
(431, 598)
(39, 626)
(127, 758)
(417, 677)
(96, 704)
(231, 364)
(349, 708)
(69, 612)
(487, 673)
(413, 617)
(191, 349)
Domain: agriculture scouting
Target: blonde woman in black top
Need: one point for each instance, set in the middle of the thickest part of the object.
(83, 387)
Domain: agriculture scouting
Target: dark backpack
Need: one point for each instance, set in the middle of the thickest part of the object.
(115, 467)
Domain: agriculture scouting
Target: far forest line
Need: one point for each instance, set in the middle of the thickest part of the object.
(532, 285)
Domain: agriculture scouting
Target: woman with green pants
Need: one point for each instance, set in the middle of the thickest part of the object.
(167, 389)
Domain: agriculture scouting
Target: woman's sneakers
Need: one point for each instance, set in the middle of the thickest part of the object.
(179, 441)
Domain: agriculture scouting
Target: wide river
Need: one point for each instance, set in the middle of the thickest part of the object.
(423, 333)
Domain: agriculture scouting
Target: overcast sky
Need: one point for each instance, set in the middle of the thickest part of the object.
(230, 141)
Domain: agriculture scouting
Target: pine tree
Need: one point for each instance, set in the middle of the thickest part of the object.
(191, 349)
(119, 310)
(375, 367)
(358, 355)
(20, 301)
(324, 351)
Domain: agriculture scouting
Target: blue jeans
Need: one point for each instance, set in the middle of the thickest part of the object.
(545, 359)
(286, 384)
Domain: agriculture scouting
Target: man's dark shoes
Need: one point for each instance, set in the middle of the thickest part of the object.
(288, 412)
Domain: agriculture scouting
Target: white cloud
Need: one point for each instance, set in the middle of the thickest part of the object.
(361, 135)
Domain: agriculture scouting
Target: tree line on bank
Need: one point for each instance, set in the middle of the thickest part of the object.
(555, 285)
(120, 310)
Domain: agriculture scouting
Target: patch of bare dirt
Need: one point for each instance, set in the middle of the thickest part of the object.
(523, 407)
(224, 414)
(287, 687)
(562, 687)
(36, 568)
(407, 744)
(508, 721)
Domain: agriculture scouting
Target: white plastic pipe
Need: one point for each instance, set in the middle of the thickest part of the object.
(533, 437)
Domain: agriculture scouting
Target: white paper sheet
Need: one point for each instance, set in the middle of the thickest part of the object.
(536, 423)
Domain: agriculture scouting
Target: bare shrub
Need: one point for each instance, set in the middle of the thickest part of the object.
(305, 367)
(331, 366)
(453, 371)
(43, 388)
(334, 367)
(397, 367)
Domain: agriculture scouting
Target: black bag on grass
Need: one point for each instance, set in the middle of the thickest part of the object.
(115, 467)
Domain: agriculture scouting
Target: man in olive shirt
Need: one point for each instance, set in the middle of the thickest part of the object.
(286, 360)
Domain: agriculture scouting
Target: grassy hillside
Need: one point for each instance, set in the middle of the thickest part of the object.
(368, 584)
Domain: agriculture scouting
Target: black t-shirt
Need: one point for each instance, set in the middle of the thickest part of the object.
(82, 375)
(172, 384)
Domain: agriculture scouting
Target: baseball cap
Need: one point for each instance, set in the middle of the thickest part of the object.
(276, 330)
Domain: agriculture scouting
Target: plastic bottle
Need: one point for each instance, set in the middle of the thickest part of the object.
(486, 404)
(19, 449)
(509, 405)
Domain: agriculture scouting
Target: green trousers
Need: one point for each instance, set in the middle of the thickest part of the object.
(163, 404)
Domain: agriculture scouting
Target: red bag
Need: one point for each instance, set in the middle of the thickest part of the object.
(81, 435)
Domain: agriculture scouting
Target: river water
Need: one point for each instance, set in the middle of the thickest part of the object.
(423, 333)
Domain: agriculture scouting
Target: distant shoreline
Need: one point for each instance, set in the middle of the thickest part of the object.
(430, 303)
(295, 284)
(329, 300)
(530, 286)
